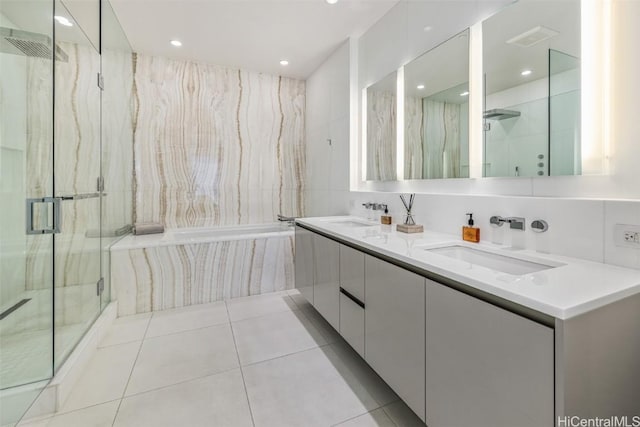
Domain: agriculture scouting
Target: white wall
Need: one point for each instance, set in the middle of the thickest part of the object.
(578, 227)
(327, 118)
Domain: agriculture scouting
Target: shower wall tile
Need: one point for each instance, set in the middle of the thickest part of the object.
(215, 146)
(166, 277)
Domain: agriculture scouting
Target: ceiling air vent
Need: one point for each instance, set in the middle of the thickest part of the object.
(533, 36)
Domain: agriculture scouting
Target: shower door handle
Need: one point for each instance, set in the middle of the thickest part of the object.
(46, 226)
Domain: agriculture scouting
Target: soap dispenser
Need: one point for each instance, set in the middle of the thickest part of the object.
(386, 218)
(470, 233)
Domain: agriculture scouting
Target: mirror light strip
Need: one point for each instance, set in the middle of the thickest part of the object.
(353, 115)
(363, 133)
(595, 86)
(400, 124)
(476, 101)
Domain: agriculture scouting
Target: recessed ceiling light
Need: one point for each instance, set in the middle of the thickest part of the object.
(332, 1)
(427, 28)
(465, 93)
(420, 87)
(284, 62)
(526, 72)
(63, 20)
(176, 43)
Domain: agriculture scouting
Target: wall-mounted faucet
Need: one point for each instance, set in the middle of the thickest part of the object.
(291, 220)
(515, 223)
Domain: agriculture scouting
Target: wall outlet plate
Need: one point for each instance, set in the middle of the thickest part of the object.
(627, 235)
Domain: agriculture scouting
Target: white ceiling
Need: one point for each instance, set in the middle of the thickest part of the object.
(247, 34)
(503, 62)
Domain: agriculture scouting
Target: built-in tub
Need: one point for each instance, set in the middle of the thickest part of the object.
(190, 266)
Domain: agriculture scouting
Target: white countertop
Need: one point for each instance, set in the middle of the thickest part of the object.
(575, 287)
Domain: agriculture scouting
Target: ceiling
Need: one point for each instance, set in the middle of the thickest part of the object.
(247, 34)
(503, 62)
(443, 67)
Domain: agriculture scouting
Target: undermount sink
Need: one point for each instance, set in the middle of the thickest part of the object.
(351, 223)
(502, 263)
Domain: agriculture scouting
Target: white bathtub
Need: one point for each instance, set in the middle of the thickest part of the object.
(190, 266)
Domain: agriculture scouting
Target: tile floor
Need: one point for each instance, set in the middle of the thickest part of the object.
(267, 360)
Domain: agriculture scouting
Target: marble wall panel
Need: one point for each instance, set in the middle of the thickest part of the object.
(381, 136)
(159, 278)
(413, 137)
(215, 146)
(442, 140)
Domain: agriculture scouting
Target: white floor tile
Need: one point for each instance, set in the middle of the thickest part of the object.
(356, 371)
(275, 335)
(402, 416)
(40, 422)
(93, 416)
(259, 305)
(217, 400)
(377, 418)
(187, 318)
(126, 329)
(300, 301)
(104, 378)
(170, 359)
(330, 334)
(308, 389)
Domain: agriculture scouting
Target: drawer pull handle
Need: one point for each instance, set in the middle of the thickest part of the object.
(351, 297)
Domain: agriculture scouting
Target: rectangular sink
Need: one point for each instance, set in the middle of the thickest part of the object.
(491, 260)
(350, 223)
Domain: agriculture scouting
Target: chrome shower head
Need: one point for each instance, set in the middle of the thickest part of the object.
(30, 44)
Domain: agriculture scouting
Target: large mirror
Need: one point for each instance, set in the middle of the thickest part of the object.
(381, 135)
(436, 112)
(532, 87)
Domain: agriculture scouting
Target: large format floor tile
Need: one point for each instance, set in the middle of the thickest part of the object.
(217, 400)
(181, 368)
(93, 416)
(402, 416)
(187, 318)
(377, 418)
(104, 378)
(127, 329)
(259, 305)
(170, 359)
(309, 388)
(275, 335)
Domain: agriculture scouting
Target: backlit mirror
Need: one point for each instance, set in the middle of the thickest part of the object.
(381, 99)
(532, 90)
(436, 112)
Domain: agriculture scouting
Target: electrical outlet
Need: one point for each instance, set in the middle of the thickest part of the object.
(627, 235)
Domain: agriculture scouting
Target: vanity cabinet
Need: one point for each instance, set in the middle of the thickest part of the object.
(304, 262)
(395, 329)
(486, 366)
(326, 285)
(352, 301)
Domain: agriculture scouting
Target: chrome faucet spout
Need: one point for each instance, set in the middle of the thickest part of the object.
(291, 220)
(515, 222)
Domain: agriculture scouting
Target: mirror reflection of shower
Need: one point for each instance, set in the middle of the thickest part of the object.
(532, 91)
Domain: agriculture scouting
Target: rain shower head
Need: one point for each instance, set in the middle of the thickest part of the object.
(30, 44)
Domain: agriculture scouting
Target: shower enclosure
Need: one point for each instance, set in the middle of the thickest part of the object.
(65, 150)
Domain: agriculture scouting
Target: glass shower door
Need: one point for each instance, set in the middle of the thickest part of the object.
(26, 171)
(77, 169)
